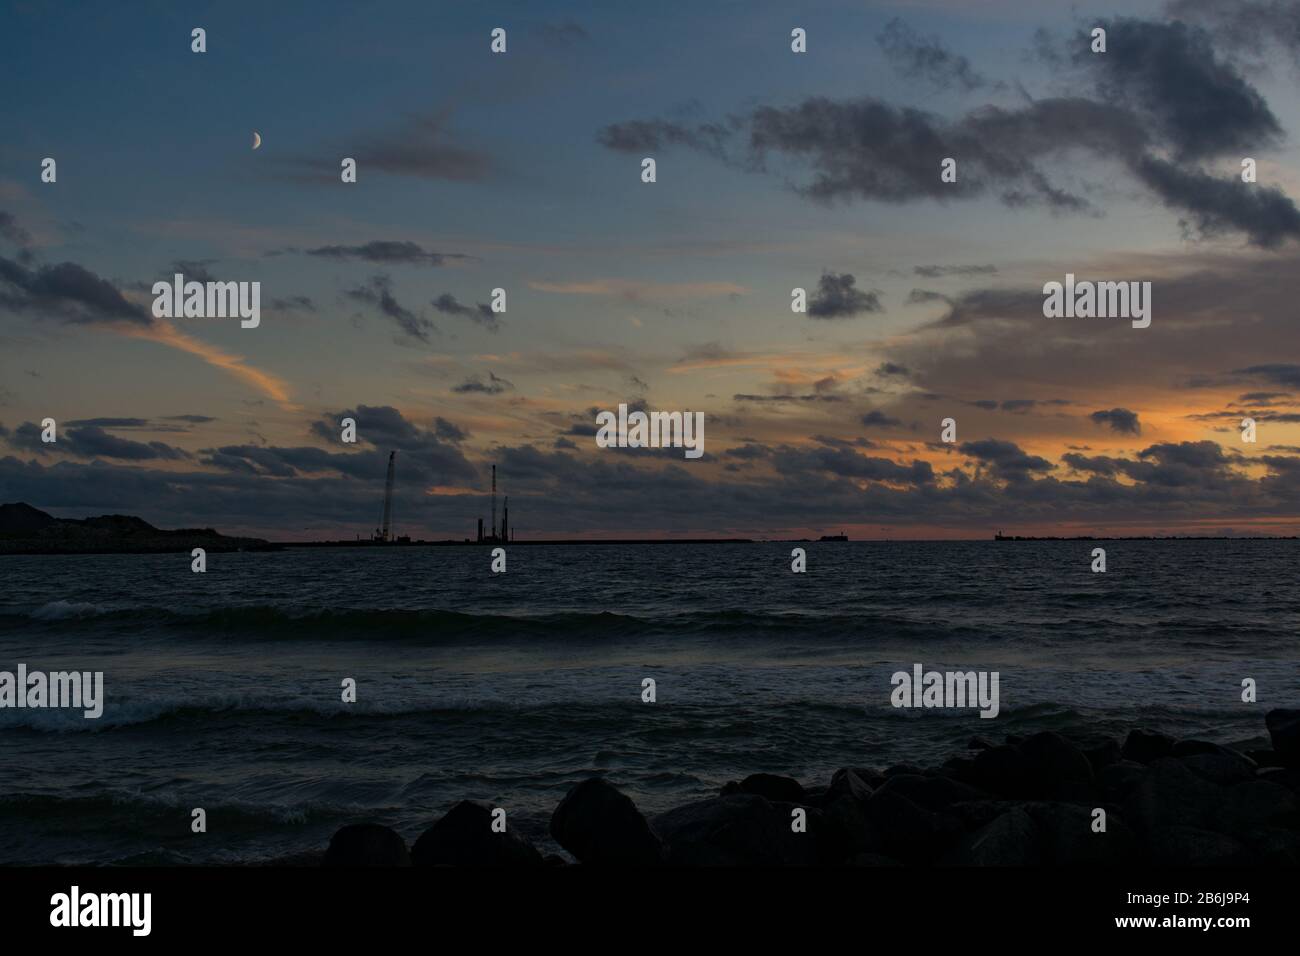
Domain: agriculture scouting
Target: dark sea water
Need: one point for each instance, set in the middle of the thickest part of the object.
(223, 689)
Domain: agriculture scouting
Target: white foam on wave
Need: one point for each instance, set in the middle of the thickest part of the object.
(65, 610)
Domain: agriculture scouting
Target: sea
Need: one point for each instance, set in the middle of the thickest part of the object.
(224, 690)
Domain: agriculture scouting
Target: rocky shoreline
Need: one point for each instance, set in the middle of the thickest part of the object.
(1031, 801)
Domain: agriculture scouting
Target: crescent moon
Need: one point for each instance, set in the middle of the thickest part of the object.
(257, 139)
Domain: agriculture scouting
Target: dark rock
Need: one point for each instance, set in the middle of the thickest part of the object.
(1103, 754)
(871, 777)
(1284, 730)
(599, 824)
(1265, 758)
(845, 807)
(769, 785)
(366, 844)
(1273, 846)
(1011, 839)
(932, 793)
(464, 837)
(1004, 771)
(1283, 776)
(1224, 767)
(1144, 746)
(1060, 769)
(980, 743)
(908, 832)
(1259, 803)
(743, 829)
(1186, 748)
(905, 768)
(1119, 779)
(1170, 794)
(1067, 838)
(1191, 846)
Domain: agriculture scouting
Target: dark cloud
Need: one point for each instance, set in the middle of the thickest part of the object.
(386, 251)
(937, 272)
(1164, 103)
(66, 291)
(294, 303)
(93, 442)
(1119, 420)
(194, 270)
(11, 231)
(1215, 206)
(645, 136)
(837, 298)
(378, 293)
(1170, 74)
(1007, 459)
(1275, 373)
(925, 58)
(1245, 25)
(785, 399)
(418, 146)
(893, 369)
(878, 419)
(480, 313)
(563, 34)
(475, 384)
(192, 419)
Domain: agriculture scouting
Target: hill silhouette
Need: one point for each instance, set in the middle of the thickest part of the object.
(28, 530)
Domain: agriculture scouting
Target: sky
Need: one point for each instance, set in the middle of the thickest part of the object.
(775, 170)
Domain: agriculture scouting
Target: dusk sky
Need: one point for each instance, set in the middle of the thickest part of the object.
(775, 170)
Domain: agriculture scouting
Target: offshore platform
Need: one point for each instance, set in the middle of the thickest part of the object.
(496, 535)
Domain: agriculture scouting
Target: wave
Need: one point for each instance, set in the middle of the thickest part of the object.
(272, 622)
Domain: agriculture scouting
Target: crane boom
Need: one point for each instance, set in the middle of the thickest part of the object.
(386, 534)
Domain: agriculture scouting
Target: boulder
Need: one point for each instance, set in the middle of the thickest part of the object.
(366, 844)
(1060, 769)
(1284, 730)
(1067, 838)
(1170, 794)
(1224, 767)
(909, 832)
(932, 793)
(742, 829)
(845, 808)
(464, 837)
(599, 824)
(1004, 771)
(1008, 840)
(1102, 754)
(1259, 803)
(769, 785)
(1144, 746)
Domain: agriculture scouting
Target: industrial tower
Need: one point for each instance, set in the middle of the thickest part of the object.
(385, 533)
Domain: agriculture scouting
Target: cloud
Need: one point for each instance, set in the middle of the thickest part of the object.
(936, 272)
(878, 419)
(67, 291)
(925, 58)
(563, 34)
(1007, 459)
(1217, 206)
(194, 270)
(378, 293)
(1275, 373)
(386, 251)
(1120, 420)
(836, 298)
(481, 313)
(1163, 103)
(1170, 74)
(475, 384)
(418, 146)
(11, 231)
